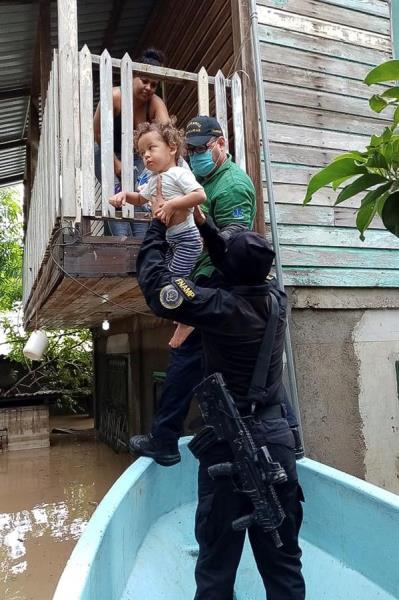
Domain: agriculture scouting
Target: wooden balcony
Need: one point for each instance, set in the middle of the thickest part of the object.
(74, 275)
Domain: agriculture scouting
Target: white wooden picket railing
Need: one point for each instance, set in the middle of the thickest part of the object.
(108, 66)
(66, 149)
(45, 197)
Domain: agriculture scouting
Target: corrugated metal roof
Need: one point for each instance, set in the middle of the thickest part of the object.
(17, 35)
(18, 25)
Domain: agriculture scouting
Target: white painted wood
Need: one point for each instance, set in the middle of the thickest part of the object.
(291, 193)
(203, 92)
(69, 106)
(321, 100)
(221, 104)
(107, 132)
(335, 236)
(325, 216)
(307, 136)
(127, 130)
(162, 73)
(318, 256)
(68, 138)
(319, 28)
(312, 80)
(57, 165)
(334, 14)
(238, 121)
(340, 277)
(86, 131)
(323, 46)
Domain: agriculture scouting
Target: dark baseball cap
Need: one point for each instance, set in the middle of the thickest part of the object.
(247, 258)
(201, 129)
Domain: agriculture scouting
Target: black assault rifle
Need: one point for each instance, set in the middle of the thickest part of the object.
(253, 471)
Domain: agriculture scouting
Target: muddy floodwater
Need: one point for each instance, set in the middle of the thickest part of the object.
(46, 499)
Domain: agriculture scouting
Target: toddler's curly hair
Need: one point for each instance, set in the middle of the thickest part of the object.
(168, 132)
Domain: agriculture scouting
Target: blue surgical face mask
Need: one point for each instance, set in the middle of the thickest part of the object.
(202, 164)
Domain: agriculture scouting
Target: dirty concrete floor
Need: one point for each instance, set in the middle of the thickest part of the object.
(46, 498)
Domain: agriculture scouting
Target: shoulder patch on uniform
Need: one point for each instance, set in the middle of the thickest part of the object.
(170, 297)
(185, 287)
(238, 212)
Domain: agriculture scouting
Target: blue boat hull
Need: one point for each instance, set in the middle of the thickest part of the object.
(139, 544)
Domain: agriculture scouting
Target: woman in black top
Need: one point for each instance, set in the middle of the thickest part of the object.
(147, 107)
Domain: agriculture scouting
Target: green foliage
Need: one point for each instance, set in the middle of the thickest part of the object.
(67, 366)
(10, 249)
(376, 169)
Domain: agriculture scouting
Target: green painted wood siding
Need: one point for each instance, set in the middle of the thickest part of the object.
(315, 54)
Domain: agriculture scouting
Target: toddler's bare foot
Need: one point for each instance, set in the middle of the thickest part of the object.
(180, 335)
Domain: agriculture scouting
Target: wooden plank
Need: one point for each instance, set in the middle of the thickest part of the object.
(291, 134)
(203, 92)
(335, 236)
(127, 131)
(238, 121)
(69, 106)
(356, 258)
(333, 13)
(333, 48)
(320, 119)
(293, 77)
(45, 47)
(161, 73)
(107, 134)
(340, 277)
(291, 193)
(322, 29)
(86, 131)
(321, 100)
(57, 203)
(312, 61)
(221, 105)
(67, 133)
(324, 216)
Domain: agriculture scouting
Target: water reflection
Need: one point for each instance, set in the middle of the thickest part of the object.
(47, 497)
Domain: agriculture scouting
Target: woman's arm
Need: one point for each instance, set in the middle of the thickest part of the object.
(158, 110)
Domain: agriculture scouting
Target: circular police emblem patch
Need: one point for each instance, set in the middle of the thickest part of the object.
(169, 297)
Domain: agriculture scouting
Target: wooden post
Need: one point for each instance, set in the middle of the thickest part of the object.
(221, 104)
(86, 131)
(69, 107)
(107, 134)
(127, 130)
(240, 11)
(44, 48)
(238, 121)
(203, 92)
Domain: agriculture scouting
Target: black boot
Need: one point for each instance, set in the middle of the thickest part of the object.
(164, 453)
(299, 451)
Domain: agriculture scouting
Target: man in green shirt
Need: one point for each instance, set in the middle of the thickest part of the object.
(231, 200)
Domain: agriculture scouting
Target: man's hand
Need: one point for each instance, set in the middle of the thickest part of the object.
(199, 216)
(166, 212)
(118, 200)
(157, 200)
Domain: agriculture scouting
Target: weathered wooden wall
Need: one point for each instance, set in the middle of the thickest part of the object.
(315, 54)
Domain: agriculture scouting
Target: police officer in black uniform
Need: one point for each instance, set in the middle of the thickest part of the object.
(232, 322)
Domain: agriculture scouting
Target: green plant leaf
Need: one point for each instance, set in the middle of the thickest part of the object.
(335, 170)
(390, 213)
(377, 103)
(388, 71)
(359, 185)
(368, 208)
(391, 93)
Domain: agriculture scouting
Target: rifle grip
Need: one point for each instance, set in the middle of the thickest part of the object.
(243, 522)
(221, 470)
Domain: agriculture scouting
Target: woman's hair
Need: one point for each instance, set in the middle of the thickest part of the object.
(153, 57)
(168, 132)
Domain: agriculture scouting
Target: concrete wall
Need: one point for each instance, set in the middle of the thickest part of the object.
(346, 343)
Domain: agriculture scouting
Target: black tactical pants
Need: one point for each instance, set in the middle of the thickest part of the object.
(220, 547)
